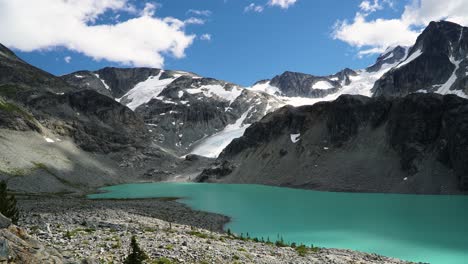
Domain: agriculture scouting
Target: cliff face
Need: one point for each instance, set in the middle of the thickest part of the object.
(415, 144)
(16, 246)
(436, 63)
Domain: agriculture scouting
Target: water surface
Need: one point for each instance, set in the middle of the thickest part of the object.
(426, 228)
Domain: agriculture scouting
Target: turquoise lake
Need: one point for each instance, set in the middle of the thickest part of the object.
(426, 228)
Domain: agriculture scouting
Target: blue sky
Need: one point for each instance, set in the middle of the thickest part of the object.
(245, 46)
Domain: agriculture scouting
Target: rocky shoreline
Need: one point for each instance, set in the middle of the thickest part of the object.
(99, 231)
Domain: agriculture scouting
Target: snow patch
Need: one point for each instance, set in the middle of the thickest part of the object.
(213, 145)
(49, 140)
(295, 137)
(103, 82)
(144, 91)
(79, 76)
(322, 85)
(411, 58)
(217, 90)
(266, 88)
(445, 88)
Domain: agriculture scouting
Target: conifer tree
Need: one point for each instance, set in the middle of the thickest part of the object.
(137, 256)
(8, 204)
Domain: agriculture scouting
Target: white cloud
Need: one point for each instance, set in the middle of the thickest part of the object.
(374, 35)
(282, 3)
(367, 6)
(67, 59)
(206, 37)
(140, 41)
(199, 12)
(195, 21)
(253, 8)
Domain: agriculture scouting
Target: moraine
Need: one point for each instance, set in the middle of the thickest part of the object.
(425, 228)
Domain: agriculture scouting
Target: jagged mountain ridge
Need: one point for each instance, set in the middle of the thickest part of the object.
(437, 62)
(414, 144)
(182, 110)
(188, 122)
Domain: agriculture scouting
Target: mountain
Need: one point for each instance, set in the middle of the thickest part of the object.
(188, 113)
(389, 128)
(302, 89)
(56, 137)
(124, 124)
(414, 144)
(185, 112)
(437, 63)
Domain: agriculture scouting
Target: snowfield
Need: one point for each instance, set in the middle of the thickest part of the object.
(213, 145)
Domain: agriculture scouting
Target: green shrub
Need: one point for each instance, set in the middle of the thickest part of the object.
(302, 250)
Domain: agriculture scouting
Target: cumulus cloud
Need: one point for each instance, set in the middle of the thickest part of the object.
(374, 35)
(206, 37)
(67, 59)
(139, 41)
(282, 3)
(253, 8)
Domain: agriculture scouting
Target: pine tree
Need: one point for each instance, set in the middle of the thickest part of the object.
(137, 256)
(8, 204)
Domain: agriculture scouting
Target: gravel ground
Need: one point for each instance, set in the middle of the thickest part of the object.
(100, 231)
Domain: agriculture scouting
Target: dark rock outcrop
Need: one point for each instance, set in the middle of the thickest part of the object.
(415, 144)
(96, 122)
(295, 84)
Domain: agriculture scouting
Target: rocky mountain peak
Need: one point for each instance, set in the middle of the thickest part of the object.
(296, 84)
(436, 63)
(389, 56)
(443, 38)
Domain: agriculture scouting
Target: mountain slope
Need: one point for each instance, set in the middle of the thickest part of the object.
(415, 144)
(56, 137)
(184, 112)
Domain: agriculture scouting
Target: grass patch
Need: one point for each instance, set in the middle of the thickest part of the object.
(70, 234)
(169, 247)
(12, 108)
(162, 260)
(303, 250)
(198, 234)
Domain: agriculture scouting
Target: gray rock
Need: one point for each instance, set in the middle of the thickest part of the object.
(4, 221)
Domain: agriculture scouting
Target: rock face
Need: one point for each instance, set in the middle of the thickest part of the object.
(436, 63)
(110, 81)
(4, 221)
(190, 109)
(15, 71)
(179, 108)
(414, 144)
(294, 84)
(16, 246)
(97, 123)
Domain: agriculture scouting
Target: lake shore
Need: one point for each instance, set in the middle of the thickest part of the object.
(100, 230)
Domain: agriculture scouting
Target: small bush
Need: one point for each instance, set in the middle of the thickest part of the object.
(302, 250)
